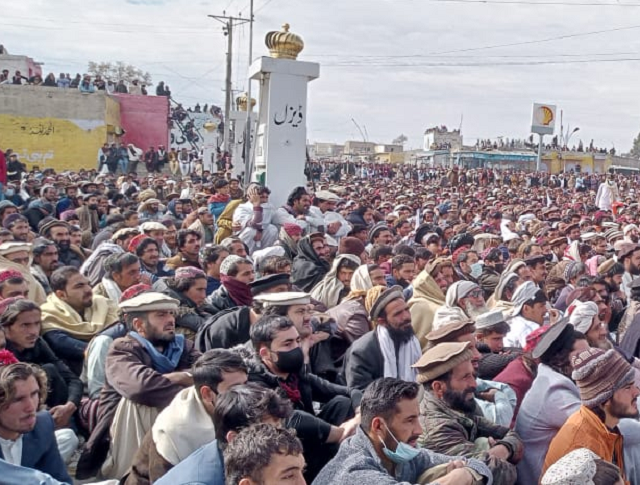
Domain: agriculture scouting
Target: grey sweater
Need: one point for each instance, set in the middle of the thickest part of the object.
(358, 464)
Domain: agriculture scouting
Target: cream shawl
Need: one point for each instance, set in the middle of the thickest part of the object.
(58, 315)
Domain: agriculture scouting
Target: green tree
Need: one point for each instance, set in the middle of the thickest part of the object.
(635, 149)
(118, 71)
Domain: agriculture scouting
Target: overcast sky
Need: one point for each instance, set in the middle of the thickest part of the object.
(395, 66)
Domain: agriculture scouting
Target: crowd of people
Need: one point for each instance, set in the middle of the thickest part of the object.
(84, 83)
(376, 328)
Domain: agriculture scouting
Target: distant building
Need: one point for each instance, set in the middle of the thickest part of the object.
(359, 148)
(440, 138)
(328, 150)
(26, 65)
(388, 149)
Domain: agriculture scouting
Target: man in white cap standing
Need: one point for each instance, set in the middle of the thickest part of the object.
(529, 310)
(144, 371)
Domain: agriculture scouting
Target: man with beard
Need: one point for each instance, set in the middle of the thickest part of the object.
(552, 397)
(58, 232)
(496, 401)
(18, 225)
(465, 297)
(629, 257)
(403, 270)
(28, 438)
(631, 233)
(448, 413)
(608, 393)
(144, 371)
(88, 214)
(383, 450)
(391, 348)
(45, 261)
(72, 316)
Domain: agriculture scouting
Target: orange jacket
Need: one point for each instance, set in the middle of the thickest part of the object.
(584, 429)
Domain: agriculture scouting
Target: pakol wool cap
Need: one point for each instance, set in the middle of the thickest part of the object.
(260, 285)
(286, 298)
(149, 301)
(489, 319)
(599, 374)
(442, 358)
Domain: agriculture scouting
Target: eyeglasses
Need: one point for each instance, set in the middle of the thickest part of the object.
(475, 294)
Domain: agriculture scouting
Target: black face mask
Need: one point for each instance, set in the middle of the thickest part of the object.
(499, 267)
(290, 361)
(549, 257)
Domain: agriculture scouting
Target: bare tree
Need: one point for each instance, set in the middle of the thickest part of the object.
(118, 71)
(400, 140)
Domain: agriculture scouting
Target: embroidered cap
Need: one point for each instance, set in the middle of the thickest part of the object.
(575, 468)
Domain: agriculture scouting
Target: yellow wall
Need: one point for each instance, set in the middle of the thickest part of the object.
(53, 143)
(389, 157)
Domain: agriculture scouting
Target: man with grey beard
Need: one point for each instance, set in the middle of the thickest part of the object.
(465, 298)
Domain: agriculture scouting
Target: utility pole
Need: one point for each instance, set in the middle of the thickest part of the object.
(228, 31)
(248, 161)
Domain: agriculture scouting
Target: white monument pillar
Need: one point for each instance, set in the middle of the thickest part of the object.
(281, 140)
(238, 119)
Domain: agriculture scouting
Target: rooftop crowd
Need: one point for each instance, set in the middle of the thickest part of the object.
(85, 83)
(384, 326)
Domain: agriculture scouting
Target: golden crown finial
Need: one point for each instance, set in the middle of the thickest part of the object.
(242, 101)
(284, 44)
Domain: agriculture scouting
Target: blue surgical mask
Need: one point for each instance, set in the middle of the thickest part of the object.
(404, 453)
(476, 270)
(9, 192)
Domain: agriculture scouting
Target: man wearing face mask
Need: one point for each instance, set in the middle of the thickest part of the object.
(467, 265)
(278, 363)
(491, 271)
(383, 450)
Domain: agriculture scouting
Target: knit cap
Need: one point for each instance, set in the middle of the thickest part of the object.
(228, 262)
(599, 374)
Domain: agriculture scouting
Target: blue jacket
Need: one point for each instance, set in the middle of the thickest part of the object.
(19, 474)
(40, 450)
(205, 466)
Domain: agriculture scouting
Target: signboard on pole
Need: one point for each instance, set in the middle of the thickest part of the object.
(543, 119)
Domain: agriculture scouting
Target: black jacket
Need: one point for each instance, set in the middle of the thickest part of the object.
(224, 330)
(364, 363)
(220, 300)
(308, 269)
(312, 389)
(41, 354)
(488, 281)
